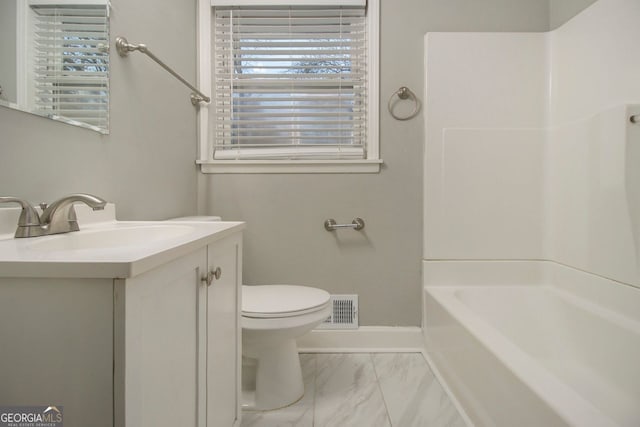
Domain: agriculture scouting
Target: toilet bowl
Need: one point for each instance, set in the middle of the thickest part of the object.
(273, 316)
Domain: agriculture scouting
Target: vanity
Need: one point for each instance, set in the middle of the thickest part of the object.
(122, 323)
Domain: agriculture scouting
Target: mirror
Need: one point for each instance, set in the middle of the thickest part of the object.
(55, 60)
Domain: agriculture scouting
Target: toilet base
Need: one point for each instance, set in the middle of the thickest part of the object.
(277, 372)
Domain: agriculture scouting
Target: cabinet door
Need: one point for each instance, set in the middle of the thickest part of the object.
(160, 345)
(223, 333)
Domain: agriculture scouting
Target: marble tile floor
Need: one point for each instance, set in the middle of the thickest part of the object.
(364, 390)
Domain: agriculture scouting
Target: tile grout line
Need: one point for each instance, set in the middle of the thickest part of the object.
(384, 399)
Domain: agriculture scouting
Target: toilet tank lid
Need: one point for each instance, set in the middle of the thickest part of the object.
(197, 218)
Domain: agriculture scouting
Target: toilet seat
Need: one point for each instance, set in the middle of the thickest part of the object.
(281, 301)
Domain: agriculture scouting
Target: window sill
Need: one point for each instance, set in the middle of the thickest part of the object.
(289, 166)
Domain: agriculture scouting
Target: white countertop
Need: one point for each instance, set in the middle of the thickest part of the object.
(30, 257)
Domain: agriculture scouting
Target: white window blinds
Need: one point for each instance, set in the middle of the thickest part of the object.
(71, 63)
(290, 82)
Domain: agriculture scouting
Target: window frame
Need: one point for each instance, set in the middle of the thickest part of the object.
(372, 162)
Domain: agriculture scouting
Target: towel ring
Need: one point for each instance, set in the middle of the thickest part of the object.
(404, 93)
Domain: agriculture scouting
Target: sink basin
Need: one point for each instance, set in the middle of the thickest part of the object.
(124, 237)
(104, 247)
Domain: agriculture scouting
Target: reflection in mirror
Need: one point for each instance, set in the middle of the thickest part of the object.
(55, 60)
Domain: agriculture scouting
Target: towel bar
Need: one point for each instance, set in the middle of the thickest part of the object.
(124, 47)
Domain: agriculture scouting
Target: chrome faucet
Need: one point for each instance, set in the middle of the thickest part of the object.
(58, 217)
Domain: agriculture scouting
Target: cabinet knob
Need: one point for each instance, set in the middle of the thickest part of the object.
(213, 274)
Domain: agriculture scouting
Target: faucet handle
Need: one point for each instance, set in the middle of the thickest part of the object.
(28, 216)
(29, 221)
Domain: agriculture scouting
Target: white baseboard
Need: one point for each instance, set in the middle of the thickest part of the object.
(365, 339)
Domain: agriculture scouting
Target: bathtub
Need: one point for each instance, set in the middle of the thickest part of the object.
(534, 343)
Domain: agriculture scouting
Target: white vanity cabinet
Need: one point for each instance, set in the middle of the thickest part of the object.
(159, 348)
(180, 338)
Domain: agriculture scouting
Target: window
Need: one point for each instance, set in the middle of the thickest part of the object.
(71, 63)
(293, 84)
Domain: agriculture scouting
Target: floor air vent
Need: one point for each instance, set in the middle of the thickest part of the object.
(344, 313)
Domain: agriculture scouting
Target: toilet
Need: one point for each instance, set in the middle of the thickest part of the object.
(273, 316)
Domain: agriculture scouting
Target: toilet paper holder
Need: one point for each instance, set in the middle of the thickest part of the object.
(331, 224)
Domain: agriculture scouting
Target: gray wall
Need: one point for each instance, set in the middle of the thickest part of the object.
(146, 165)
(8, 49)
(285, 241)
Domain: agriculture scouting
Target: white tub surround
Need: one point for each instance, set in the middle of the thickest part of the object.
(485, 118)
(531, 156)
(530, 153)
(534, 343)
